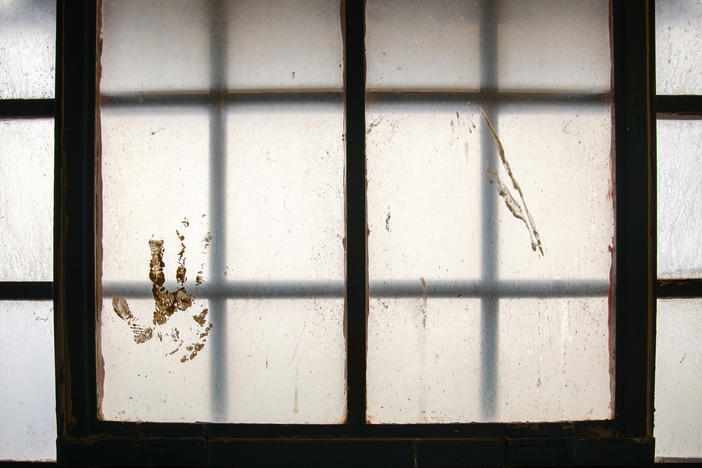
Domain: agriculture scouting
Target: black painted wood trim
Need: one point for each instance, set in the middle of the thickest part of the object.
(679, 107)
(26, 290)
(74, 218)
(634, 87)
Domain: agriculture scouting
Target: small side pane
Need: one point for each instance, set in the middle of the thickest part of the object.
(678, 46)
(679, 194)
(678, 399)
(27, 386)
(26, 199)
(27, 49)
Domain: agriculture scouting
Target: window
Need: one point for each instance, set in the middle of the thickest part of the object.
(677, 426)
(424, 442)
(27, 31)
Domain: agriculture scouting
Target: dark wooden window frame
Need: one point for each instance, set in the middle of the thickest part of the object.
(83, 439)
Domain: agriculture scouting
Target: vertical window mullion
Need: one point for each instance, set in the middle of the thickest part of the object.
(356, 223)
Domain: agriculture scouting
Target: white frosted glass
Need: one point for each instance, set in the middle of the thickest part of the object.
(159, 45)
(678, 399)
(286, 361)
(167, 46)
(424, 169)
(425, 360)
(422, 45)
(679, 190)
(273, 173)
(284, 45)
(26, 199)
(155, 174)
(435, 186)
(27, 385)
(678, 46)
(561, 158)
(144, 381)
(155, 178)
(426, 177)
(285, 192)
(27, 49)
(554, 360)
(553, 44)
(539, 45)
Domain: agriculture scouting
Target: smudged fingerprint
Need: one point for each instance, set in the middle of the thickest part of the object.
(167, 303)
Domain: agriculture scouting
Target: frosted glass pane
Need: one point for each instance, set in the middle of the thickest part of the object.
(155, 189)
(678, 46)
(678, 399)
(553, 44)
(27, 385)
(424, 171)
(247, 45)
(285, 192)
(26, 199)
(422, 45)
(27, 49)
(159, 45)
(155, 175)
(679, 199)
(427, 357)
(561, 158)
(427, 177)
(200, 204)
(144, 381)
(284, 45)
(446, 220)
(283, 362)
(286, 361)
(539, 45)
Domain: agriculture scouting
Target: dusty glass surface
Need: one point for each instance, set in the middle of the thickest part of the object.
(222, 222)
(160, 45)
(155, 175)
(284, 193)
(428, 361)
(678, 399)
(27, 49)
(27, 386)
(26, 199)
(553, 45)
(435, 148)
(561, 158)
(678, 46)
(286, 361)
(492, 221)
(405, 36)
(294, 44)
(259, 45)
(679, 186)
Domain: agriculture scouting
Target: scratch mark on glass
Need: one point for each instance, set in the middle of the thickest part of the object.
(518, 210)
